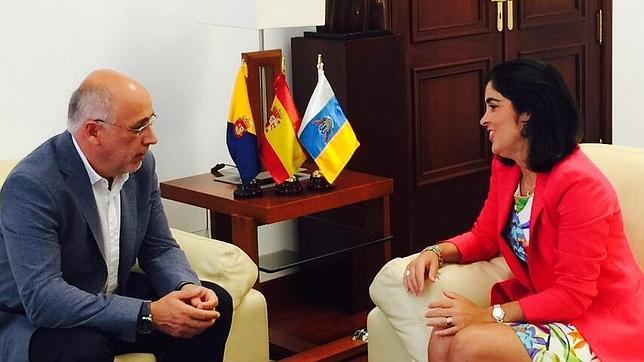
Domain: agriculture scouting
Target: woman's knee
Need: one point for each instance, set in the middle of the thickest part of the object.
(438, 346)
(468, 344)
(437, 339)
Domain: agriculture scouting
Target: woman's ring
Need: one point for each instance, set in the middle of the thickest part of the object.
(407, 273)
(449, 321)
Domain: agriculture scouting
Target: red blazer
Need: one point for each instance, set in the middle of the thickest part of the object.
(581, 269)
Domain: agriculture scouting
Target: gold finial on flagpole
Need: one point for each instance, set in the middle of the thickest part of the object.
(320, 64)
(283, 65)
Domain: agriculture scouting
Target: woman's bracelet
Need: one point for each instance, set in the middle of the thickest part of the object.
(436, 250)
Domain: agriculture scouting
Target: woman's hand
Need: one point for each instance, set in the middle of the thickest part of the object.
(424, 265)
(454, 313)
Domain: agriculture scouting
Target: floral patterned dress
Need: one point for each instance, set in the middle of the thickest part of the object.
(544, 342)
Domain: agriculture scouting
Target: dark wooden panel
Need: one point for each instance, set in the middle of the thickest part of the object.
(449, 140)
(571, 63)
(263, 67)
(457, 50)
(567, 40)
(440, 19)
(447, 208)
(550, 12)
(606, 70)
(453, 37)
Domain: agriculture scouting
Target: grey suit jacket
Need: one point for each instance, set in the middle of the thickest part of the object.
(52, 271)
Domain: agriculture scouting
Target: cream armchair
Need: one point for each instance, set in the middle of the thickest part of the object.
(228, 266)
(397, 330)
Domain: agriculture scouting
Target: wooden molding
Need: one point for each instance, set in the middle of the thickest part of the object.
(261, 82)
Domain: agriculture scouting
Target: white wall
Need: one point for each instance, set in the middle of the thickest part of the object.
(48, 47)
(628, 73)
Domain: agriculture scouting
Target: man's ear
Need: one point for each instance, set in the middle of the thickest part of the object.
(91, 130)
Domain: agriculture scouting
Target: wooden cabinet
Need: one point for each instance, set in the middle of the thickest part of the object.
(433, 145)
(367, 76)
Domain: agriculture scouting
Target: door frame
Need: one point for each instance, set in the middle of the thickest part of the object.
(606, 69)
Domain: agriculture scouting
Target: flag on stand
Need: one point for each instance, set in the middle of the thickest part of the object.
(325, 132)
(241, 136)
(279, 148)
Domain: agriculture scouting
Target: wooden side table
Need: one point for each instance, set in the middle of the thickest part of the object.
(359, 201)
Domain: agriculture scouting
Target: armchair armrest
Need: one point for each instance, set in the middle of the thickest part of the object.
(406, 312)
(219, 262)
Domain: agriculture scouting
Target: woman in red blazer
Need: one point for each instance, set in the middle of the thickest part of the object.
(577, 293)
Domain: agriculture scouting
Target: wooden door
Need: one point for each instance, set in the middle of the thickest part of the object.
(451, 46)
(564, 34)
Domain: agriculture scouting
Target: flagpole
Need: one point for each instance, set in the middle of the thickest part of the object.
(317, 181)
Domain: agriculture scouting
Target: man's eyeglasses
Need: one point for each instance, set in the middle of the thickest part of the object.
(136, 130)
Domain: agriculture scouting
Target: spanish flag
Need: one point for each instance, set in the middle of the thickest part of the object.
(325, 132)
(241, 137)
(279, 148)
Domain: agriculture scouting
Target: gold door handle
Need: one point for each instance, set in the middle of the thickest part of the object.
(600, 27)
(499, 14)
(510, 15)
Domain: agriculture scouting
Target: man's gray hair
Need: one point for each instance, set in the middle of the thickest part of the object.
(88, 103)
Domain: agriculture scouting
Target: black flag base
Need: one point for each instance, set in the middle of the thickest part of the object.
(290, 186)
(317, 182)
(248, 191)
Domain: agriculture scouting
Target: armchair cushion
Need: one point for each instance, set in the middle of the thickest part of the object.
(624, 167)
(5, 167)
(219, 262)
(406, 312)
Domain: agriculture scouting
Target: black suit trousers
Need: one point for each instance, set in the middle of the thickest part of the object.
(86, 344)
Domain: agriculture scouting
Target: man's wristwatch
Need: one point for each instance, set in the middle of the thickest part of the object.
(145, 324)
(498, 313)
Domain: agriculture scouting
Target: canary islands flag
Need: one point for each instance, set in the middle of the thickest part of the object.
(241, 136)
(279, 148)
(325, 132)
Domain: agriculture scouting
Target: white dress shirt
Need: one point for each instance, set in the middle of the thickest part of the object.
(108, 203)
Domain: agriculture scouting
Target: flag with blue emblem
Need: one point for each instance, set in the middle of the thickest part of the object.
(241, 136)
(325, 132)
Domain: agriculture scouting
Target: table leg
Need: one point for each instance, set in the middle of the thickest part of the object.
(386, 227)
(244, 235)
(220, 227)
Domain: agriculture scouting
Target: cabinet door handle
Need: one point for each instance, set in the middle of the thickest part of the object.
(510, 15)
(499, 14)
(600, 27)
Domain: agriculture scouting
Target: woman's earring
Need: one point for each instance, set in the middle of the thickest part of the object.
(524, 118)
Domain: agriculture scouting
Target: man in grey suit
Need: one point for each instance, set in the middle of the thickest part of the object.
(75, 216)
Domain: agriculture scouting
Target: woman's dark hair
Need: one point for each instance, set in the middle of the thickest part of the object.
(538, 89)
